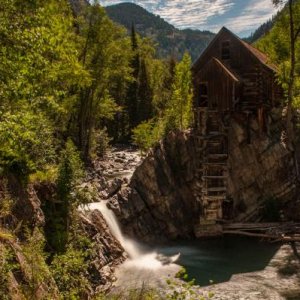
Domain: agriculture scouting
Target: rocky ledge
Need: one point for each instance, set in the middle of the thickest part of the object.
(278, 281)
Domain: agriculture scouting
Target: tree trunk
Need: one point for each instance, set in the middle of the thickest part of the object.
(290, 119)
(290, 110)
(85, 123)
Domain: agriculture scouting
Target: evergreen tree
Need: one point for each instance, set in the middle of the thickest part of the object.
(144, 94)
(132, 94)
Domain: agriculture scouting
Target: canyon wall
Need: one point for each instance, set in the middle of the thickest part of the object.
(163, 200)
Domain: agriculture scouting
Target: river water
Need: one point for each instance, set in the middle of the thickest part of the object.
(216, 260)
(207, 261)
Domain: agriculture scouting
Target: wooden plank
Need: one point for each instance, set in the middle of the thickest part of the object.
(251, 225)
(217, 189)
(214, 198)
(277, 238)
(215, 177)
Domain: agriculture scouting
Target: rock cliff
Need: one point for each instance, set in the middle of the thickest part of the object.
(162, 199)
(106, 251)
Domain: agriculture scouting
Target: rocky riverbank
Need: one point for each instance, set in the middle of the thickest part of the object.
(103, 180)
(280, 280)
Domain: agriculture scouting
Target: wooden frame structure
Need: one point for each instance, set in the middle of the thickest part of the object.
(230, 78)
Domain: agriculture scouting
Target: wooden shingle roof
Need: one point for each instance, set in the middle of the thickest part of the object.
(260, 56)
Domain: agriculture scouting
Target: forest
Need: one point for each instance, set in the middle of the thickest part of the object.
(72, 84)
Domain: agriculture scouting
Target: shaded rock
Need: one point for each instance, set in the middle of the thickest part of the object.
(114, 186)
(106, 253)
(164, 197)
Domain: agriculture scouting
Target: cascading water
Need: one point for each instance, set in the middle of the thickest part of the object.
(138, 257)
(129, 246)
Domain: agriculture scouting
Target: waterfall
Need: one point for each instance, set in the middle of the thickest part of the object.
(129, 246)
(137, 256)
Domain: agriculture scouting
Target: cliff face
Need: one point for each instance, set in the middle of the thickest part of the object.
(159, 201)
(163, 198)
(105, 251)
(260, 171)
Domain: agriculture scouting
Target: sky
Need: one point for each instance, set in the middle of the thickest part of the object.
(240, 16)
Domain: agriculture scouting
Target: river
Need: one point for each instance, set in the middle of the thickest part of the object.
(216, 260)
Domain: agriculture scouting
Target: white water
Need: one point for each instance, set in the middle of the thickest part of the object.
(137, 257)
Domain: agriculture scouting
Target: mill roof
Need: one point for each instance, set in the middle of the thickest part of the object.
(260, 56)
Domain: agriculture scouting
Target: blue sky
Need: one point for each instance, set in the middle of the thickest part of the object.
(240, 16)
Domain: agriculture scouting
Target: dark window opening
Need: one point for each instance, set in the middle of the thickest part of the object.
(203, 95)
(225, 50)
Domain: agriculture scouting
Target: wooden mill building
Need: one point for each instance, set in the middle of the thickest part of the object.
(231, 78)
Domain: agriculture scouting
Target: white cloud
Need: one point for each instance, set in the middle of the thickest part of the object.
(239, 15)
(182, 13)
(252, 16)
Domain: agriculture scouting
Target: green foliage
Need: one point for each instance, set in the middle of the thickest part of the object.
(26, 143)
(144, 94)
(6, 266)
(175, 112)
(6, 205)
(101, 142)
(132, 100)
(179, 109)
(105, 53)
(38, 67)
(170, 40)
(182, 288)
(48, 174)
(143, 136)
(70, 269)
(277, 45)
(35, 267)
(69, 272)
(70, 173)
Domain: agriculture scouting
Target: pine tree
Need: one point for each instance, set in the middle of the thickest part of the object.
(132, 94)
(144, 94)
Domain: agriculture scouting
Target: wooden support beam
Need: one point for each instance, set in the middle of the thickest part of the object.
(214, 198)
(276, 238)
(214, 177)
(246, 226)
(217, 189)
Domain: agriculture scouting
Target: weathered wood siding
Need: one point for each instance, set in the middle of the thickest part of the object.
(222, 89)
(257, 86)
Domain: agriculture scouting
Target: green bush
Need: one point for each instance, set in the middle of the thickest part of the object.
(6, 266)
(101, 142)
(143, 136)
(26, 144)
(69, 272)
(57, 214)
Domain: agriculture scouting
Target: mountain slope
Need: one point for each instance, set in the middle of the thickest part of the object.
(171, 41)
